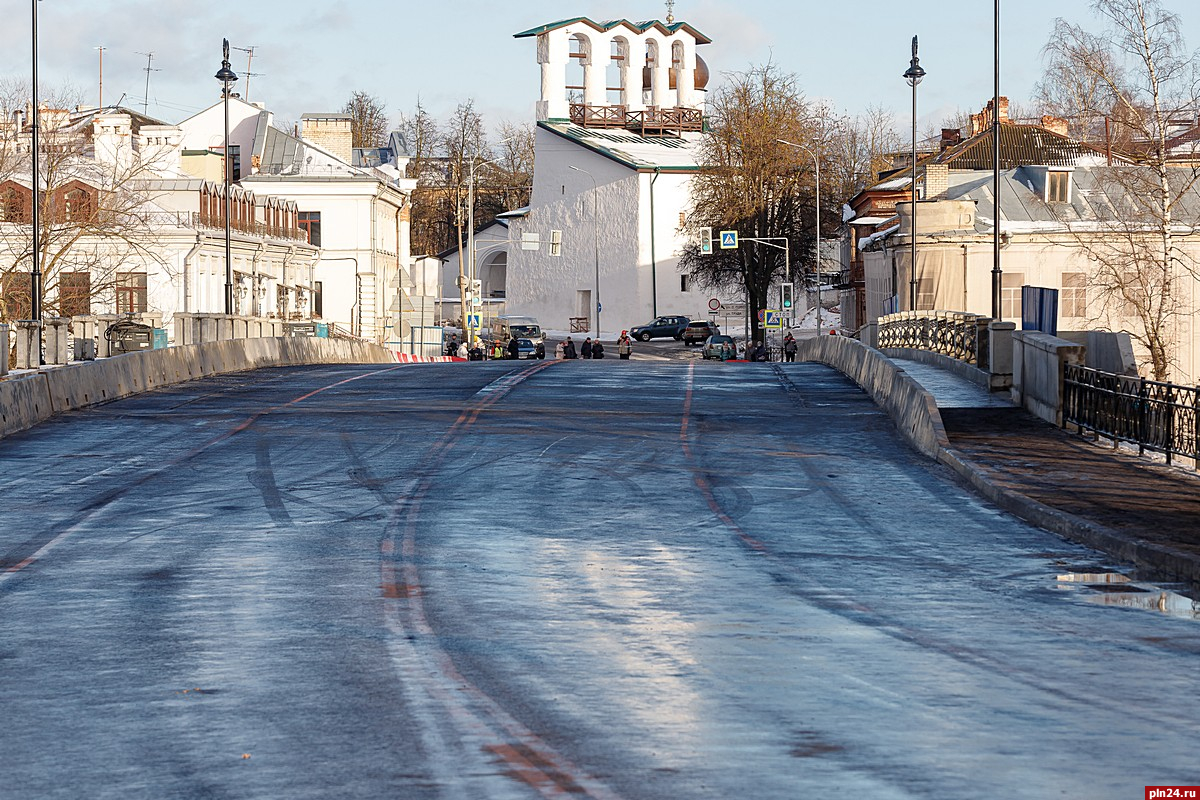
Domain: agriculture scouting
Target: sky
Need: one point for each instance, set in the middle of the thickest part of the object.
(311, 56)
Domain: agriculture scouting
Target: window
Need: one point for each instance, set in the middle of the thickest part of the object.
(131, 292)
(310, 223)
(74, 294)
(1058, 187)
(317, 307)
(1073, 298)
(556, 243)
(11, 208)
(17, 296)
(1010, 294)
(684, 282)
(235, 162)
(926, 291)
(77, 206)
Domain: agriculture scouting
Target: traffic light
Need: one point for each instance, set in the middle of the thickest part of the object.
(706, 241)
(785, 291)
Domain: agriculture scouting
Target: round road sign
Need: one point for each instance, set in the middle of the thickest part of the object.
(714, 304)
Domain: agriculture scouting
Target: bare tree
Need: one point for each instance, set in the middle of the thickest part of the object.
(859, 150)
(1139, 71)
(466, 147)
(368, 120)
(1080, 96)
(756, 185)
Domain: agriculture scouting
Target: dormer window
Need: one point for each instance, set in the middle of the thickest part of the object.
(1058, 186)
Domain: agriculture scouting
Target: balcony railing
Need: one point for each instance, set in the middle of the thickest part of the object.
(260, 229)
(650, 122)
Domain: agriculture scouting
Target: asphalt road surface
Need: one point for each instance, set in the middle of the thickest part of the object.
(603, 580)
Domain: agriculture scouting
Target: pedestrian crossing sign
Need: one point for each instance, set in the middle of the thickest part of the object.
(472, 320)
(772, 319)
(729, 240)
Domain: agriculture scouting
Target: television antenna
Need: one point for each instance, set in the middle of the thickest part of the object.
(249, 51)
(148, 70)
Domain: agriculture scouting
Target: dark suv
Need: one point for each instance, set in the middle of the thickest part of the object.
(660, 328)
(698, 330)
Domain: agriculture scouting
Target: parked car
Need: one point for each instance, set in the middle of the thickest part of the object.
(715, 343)
(660, 328)
(531, 348)
(698, 330)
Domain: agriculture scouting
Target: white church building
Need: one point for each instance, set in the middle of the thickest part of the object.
(618, 123)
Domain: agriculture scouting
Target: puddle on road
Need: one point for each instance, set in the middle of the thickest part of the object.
(1115, 589)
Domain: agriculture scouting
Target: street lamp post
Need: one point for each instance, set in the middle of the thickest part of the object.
(817, 162)
(596, 238)
(227, 76)
(913, 75)
(996, 274)
(35, 273)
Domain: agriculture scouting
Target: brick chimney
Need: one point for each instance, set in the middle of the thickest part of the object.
(1055, 125)
(937, 181)
(950, 137)
(330, 131)
(983, 120)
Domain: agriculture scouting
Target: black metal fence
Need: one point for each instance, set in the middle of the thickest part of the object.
(1153, 415)
(951, 333)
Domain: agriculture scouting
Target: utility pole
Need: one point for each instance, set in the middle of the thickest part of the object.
(148, 70)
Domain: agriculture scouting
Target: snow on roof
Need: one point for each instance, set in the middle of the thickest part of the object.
(634, 151)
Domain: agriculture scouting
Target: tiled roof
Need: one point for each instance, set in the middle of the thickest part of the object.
(1020, 145)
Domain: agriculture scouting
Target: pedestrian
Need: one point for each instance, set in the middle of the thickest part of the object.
(514, 349)
(462, 349)
(624, 346)
(569, 349)
(452, 345)
(497, 349)
(833, 332)
(597, 349)
(560, 350)
(726, 351)
(476, 352)
(586, 350)
(789, 348)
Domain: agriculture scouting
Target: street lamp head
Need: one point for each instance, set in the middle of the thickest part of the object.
(226, 75)
(914, 73)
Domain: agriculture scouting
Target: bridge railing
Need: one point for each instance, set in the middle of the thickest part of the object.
(1151, 414)
(955, 334)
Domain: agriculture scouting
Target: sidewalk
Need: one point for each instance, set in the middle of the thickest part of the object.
(1128, 506)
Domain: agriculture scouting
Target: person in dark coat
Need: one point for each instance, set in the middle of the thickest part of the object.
(569, 349)
(514, 348)
(597, 349)
(586, 350)
(789, 348)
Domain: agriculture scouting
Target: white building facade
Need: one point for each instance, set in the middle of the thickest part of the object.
(612, 173)
(357, 216)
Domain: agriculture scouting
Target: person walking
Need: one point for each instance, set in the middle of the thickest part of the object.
(624, 346)
(452, 345)
(597, 349)
(789, 348)
(514, 349)
(569, 349)
(586, 350)
(462, 351)
(560, 351)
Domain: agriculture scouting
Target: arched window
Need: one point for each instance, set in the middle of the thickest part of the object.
(77, 205)
(11, 206)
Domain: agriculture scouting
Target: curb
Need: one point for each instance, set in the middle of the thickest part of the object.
(1160, 559)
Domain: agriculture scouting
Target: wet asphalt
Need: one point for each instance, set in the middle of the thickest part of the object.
(610, 580)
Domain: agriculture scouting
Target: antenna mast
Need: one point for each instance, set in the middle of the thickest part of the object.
(149, 69)
(100, 102)
(249, 51)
